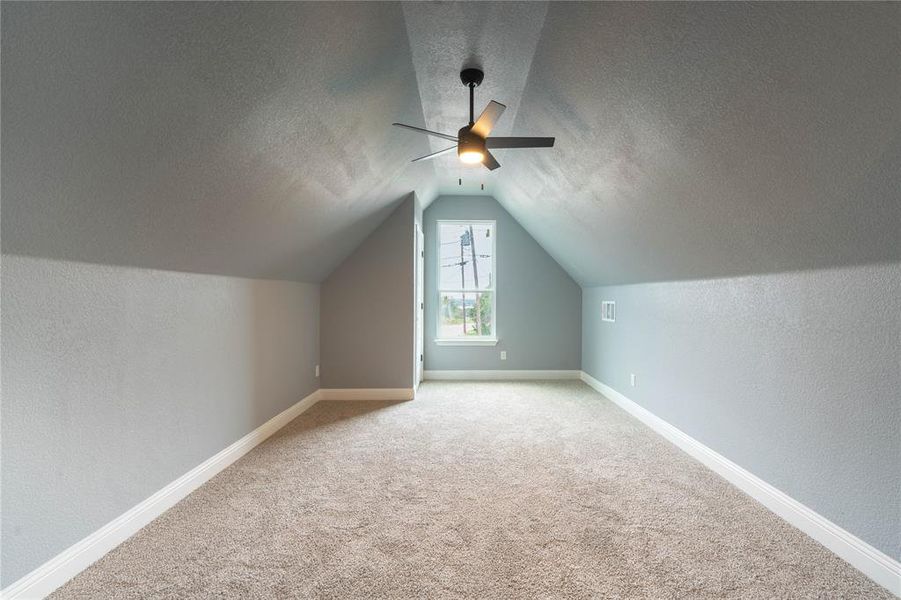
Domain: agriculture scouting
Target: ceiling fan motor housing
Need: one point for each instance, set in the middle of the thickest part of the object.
(469, 142)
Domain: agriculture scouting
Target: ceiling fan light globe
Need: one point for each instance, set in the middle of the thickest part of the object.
(470, 147)
(471, 157)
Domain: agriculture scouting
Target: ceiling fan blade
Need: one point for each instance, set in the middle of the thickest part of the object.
(485, 123)
(520, 142)
(434, 154)
(444, 136)
(490, 162)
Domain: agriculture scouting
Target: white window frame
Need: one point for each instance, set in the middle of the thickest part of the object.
(480, 340)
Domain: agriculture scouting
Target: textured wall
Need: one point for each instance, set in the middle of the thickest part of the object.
(793, 376)
(116, 381)
(538, 304)
(367, 310)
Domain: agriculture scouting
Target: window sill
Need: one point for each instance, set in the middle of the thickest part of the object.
(465, 342)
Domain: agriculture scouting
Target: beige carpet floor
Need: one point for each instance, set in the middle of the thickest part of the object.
(473, 490)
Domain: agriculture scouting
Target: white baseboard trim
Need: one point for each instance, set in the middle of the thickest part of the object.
(873, 563)
(500, 375)
(75, 559)
(367, 394)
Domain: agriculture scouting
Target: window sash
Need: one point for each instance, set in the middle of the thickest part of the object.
(466, 291)
(458, 290)
(463, 338)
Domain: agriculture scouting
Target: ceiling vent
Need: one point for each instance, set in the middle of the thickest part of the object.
(608, 311)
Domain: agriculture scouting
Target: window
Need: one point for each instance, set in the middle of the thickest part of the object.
(466, 283)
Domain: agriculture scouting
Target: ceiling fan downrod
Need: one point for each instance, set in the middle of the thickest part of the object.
(471, 78)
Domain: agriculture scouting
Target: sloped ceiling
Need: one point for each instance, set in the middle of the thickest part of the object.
(253, 139)
(247, 139)
(712, 139)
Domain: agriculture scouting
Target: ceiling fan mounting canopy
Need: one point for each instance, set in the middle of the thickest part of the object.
(472, 140)
(472, 76)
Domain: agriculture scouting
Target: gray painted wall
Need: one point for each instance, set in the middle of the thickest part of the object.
(117, 381)
(794, 376)
(367, 310)
(538, 303)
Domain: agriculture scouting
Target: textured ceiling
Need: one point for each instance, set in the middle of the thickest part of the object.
(245, 139)
(705, 139)
(253, 139)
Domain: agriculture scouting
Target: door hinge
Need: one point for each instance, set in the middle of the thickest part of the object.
(422, 305)
(420, 358)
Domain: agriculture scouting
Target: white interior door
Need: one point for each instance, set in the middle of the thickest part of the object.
(420, 304)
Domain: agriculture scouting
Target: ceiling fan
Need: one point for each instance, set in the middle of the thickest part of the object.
(472, 140)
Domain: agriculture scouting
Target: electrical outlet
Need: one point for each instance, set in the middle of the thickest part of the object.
(317, 370)
(503, 355)
(632, 379)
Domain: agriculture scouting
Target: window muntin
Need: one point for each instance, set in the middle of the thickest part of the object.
(467, 272)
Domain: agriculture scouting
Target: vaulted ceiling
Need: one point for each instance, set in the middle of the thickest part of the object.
(248, 139)
(254, 139)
